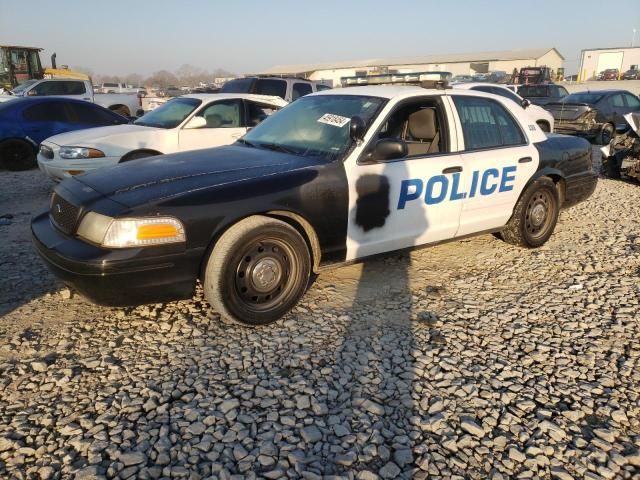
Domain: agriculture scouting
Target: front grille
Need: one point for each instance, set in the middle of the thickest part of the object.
(46, 152)
(63, 214)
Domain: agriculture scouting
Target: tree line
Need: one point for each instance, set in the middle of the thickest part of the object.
(188, 75)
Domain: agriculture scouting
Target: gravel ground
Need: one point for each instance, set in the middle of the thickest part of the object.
(473, 359)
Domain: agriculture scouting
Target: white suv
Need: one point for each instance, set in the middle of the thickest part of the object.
(289, 89)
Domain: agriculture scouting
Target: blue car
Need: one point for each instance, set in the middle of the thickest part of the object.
(25, 122)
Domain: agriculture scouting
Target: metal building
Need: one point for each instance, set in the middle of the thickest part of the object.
(595, 60)
(458, 64)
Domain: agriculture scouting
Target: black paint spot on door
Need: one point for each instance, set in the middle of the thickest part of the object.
(372, 203)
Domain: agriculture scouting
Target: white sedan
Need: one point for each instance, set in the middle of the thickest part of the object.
(184, 123)
(538, 114)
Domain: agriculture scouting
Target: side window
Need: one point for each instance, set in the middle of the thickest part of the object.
(562, 92)
(74, 88)
(91, 115)
(486, 123)
(224, 114)
(419, 125)
(271, 86)
(320, 87)
(617, 101)
(49, 88)
(257, 112)
(632, 102)
(46, 112)
(300, 90)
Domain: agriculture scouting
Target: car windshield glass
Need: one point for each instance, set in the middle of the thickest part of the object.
(314, 125)
(169, 115)
(533, 91)
(23, 86)
(583, 97)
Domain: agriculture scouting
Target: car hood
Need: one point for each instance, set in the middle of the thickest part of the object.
(93, 137)
(149, 180)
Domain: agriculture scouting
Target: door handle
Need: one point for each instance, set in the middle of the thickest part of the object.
(525, 160)
(452, 170)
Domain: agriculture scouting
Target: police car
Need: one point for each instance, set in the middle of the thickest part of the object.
(333, 178)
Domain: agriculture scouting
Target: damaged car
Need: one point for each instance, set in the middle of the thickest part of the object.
(595, 115)
(621, 158)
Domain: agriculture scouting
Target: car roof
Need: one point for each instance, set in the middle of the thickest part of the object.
(478, 84)
(606, 92)
(231, 96)
(48, 98)
(398, 91)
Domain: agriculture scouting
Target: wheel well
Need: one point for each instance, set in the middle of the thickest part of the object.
(142, 150)
(561, 186)
(118, 106)
(296, 221)
(544, 122)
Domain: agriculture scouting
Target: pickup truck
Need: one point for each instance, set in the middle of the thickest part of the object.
(333, 178)
(125, 104)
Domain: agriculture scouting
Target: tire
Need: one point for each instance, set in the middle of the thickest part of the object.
(607, 132)
(17, 155)
(257, 271)
(611, 166)
(137, 155)
(534, 216)
(544, 126)
(121, 110)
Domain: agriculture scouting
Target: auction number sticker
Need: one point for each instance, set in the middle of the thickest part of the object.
(334, 120)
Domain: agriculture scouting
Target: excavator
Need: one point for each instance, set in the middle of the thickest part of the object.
(19, 64)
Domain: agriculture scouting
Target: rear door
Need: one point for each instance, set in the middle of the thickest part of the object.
(87, 115)
(497, 158)
(223, 124)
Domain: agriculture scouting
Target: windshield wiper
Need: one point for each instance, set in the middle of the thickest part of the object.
(278, 148)
(247, 143)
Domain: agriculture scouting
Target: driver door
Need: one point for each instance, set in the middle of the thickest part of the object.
(216, 124)
(407, 201)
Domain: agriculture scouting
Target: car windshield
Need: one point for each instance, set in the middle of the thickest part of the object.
(314, 126)
(533, 91)
(170, 114)
(583, 97)
(23, 86)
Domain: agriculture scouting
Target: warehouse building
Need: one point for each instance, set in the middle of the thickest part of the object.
(595, 60)
(457, 64)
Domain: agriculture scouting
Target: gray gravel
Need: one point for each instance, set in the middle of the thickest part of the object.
(473, 359)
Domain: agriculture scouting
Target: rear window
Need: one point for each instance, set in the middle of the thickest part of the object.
(271, 86)
(583, 97)
(239, 85)
(300, 90)
(528, 91)
(320, 87)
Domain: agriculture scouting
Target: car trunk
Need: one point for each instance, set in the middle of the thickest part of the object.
(567, 111)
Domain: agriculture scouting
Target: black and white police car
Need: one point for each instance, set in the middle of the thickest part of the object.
(335, 177)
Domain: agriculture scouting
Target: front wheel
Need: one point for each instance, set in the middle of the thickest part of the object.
(257, 271)
(607, 132)
(534, 216)
(17, 155)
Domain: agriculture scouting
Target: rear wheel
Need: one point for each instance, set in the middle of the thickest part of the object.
(17, 155)
(257, 271)
(607, 132)
(534, 216)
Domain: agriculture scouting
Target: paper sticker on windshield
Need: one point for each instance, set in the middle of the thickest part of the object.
(334, 120)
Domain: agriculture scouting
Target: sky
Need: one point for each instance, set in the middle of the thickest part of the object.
(116, 37)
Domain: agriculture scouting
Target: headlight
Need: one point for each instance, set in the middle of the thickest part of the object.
(72, 153)
(130, 232)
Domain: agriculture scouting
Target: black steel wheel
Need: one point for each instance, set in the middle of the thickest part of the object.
(607, 132)
(257, 271)
(17, 155)
(534, 216)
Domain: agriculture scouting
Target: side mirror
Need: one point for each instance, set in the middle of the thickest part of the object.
(357, 128)
(525, 102)
(196, 122)
(388, 149)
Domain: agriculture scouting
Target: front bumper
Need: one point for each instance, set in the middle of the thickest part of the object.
(58, 170)
(118, 277)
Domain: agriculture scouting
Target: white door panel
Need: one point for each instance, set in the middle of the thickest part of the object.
(494, 180)
(193, 139)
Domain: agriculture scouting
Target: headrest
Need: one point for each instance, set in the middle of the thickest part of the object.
(422, 124)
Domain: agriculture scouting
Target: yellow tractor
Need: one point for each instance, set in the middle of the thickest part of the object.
(19, 64)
